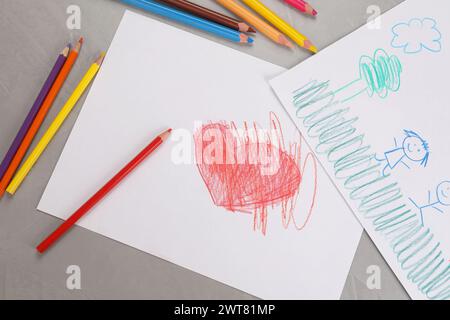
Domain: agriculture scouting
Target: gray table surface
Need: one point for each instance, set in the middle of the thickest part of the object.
(30, 32)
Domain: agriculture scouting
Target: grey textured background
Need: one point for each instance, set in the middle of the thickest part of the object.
(31, 33)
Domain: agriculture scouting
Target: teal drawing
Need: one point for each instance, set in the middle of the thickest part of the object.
(378, 74)
(377, 197)
(442, 199)
(414, 149)
(417, 35)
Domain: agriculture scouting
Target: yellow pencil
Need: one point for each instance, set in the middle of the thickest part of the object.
(280, 24)
(256, 22)
(54, 127)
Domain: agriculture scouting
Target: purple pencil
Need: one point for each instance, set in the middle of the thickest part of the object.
(33, 112)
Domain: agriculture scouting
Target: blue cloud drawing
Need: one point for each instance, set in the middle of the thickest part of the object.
(417, 34)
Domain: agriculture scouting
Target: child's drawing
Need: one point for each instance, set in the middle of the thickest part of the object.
(413, 150)
(378, 74)
(250, 170)
(417, 34)
(442, 199)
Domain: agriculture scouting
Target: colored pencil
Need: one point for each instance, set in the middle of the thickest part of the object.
(37, 122)
(99, 195)
(256, 22)
(302, 6)
(54, 127)
(209, 14)
(33, 111)
(281, 25)
(189, 19)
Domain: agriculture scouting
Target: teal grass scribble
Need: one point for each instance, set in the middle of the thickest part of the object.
(379, 198)
(379, 74)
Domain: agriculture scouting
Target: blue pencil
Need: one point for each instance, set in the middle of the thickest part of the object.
(189, 19)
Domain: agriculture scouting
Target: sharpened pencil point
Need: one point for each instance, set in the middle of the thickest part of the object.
(245, 38)
(285, 42)
(100, 58)
(66, 50)
(78, 45)
(310, 10)
(308, 45)
(165, 134)
(243, 27)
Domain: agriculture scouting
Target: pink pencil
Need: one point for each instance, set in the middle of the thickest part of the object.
(302, 6)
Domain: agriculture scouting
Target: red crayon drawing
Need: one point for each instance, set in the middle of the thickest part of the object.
(250, 170)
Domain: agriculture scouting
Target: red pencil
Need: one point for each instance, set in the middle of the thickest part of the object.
(111, 184)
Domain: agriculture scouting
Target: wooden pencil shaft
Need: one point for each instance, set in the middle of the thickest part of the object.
(203, 12)
(100, 194)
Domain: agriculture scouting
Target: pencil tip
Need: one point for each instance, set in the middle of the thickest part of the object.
(243, 27)
(66, 50)
(308, 45)
(310, 10)
(79, 44)
(245, 38)
(100, 58)
(284, 41)
(165, 134)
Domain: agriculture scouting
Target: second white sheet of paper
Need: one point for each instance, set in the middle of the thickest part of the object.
(374, 108)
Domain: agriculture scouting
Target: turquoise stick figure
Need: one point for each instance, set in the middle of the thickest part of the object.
(414, 149)
(442, 199)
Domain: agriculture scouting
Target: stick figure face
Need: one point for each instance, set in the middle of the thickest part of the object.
(443, 193)
(414, 148)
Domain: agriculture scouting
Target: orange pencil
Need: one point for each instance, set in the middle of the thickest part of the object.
(37, 122)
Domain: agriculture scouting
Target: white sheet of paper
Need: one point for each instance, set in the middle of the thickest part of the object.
(155, 76)
(385, 89)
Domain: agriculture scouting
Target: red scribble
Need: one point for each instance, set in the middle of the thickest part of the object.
(249, 171)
